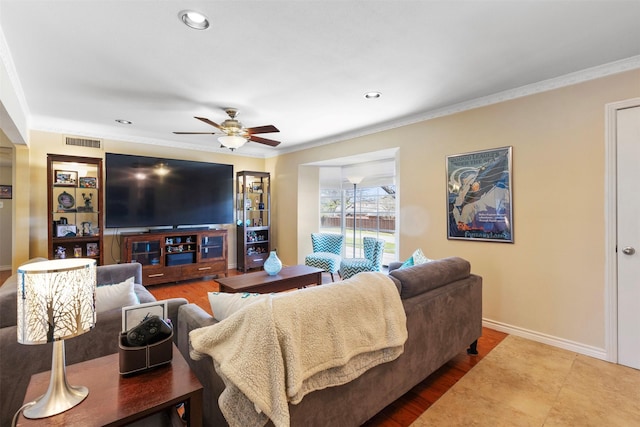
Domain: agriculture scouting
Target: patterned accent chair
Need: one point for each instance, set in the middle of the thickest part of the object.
(373, 251)
(327, 252)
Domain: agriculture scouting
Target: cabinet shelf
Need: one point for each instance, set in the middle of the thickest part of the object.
(253, 219)
(74, 203)
(75, 239)
(162, 262)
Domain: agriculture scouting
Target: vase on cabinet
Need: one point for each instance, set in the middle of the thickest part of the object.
(272, 265)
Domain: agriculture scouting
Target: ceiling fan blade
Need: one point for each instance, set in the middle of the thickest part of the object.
(209, 122)
(196, 133)
(262, 129)
(265, 141)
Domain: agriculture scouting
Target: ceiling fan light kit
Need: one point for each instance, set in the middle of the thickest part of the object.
(232, 141)
(236, 135)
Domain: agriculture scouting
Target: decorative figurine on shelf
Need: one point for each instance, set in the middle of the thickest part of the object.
(61, 252)
(261, 206)
(92, 249)
(86, 228)
(88, 200)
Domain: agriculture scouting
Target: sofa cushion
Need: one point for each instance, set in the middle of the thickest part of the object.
(117, 295)
(224, 304)
(427, 276)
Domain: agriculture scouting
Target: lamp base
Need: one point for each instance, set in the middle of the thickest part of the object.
(60, 396)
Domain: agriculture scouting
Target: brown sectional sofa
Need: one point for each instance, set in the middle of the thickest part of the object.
(443, 304)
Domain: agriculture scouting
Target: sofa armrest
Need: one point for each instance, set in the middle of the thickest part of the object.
(394, 265)
(173, 307)
(422, 278)
(191, 317)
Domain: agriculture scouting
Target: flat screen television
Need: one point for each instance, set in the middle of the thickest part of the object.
(152, 192)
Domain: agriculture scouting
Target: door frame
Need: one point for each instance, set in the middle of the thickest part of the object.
(611, 226)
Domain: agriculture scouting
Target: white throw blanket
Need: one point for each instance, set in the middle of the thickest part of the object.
(277, 350)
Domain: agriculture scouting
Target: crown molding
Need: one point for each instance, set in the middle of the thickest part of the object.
(570, 79)
(12, 125)
(12, 74)
(577, 77)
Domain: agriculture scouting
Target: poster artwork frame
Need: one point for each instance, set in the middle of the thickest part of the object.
(480, 208)
(6, 192)
(64, 178)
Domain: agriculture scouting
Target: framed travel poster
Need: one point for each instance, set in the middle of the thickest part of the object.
(6, 192)
(479, 196)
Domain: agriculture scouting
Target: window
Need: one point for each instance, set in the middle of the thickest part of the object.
(375, 210)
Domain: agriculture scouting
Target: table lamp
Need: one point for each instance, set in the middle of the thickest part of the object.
(56, 301)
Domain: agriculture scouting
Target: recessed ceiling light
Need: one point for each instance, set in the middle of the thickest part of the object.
(124, 122)
(372, 95)
(194, 20)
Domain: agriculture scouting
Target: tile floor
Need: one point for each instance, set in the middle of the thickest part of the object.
(525, 383)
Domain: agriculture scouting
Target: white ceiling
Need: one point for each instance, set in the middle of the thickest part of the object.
(302, 66)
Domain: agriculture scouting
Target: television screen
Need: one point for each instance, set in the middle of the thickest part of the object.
(150, 191)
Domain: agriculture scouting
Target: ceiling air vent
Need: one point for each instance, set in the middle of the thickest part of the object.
(83, 142)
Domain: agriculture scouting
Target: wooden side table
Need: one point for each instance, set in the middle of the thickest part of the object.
(115, 400)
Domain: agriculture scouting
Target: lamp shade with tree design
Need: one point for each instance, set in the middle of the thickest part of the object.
(56, 301)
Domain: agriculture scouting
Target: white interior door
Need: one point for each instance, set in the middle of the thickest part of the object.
(628, 236)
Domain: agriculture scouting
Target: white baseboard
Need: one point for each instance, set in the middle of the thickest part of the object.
(5, 267)
(587, 350)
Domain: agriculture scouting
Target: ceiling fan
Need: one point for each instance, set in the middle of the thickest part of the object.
(236, 135)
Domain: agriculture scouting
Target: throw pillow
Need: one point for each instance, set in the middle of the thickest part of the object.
(416, 258)
(407, 263)
(224, 305)
(117, 295)
(419, 258)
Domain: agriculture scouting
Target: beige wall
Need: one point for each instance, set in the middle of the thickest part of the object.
(551, 280)
(43, 143)
(6, 205)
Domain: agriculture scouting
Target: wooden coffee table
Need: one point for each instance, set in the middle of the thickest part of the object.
(295, 276)
(115, 400)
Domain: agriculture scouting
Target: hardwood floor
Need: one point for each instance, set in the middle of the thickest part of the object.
(412, 404)
(4, 275)
(400, 413)
(403, 411)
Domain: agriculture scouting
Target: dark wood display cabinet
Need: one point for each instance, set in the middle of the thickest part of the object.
(253, 219)
(175, 255)
(74, 206)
